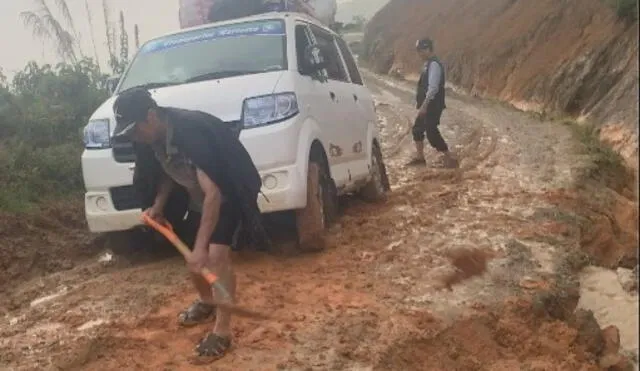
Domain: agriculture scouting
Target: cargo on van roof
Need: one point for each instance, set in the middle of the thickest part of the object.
(198, 12)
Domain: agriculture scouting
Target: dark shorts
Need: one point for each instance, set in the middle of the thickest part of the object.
(426, 124)
(228, 223)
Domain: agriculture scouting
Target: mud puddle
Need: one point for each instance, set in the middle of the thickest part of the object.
(377, 299)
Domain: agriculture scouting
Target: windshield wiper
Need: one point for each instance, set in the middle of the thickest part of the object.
(218, 75)
(151, 85)
(203, 77)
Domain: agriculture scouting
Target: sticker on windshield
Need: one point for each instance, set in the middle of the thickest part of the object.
(274, 27)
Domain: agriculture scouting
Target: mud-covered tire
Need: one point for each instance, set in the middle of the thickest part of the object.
(312, 221)
(376, 189)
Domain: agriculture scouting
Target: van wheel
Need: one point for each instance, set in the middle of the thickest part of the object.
(376, 189)
(312, 221)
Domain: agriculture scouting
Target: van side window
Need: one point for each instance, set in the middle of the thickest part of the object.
(335, 67)
(350, 61)
(302, 42)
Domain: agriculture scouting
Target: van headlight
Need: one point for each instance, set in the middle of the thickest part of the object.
(96, 134)
(268, 109)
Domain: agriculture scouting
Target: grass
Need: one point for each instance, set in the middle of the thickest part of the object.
(31, 175)
(606, 166)
(625, 9)
(604, 177)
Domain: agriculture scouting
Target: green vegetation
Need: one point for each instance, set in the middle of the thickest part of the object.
(625, 9)
(56, 26)
(357, 24)
(606, 166)
(44, 108)
(42, 113)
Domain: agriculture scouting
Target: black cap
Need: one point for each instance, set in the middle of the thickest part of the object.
(131, 107)
(424, 44)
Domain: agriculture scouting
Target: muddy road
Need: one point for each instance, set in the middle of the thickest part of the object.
(376, 299)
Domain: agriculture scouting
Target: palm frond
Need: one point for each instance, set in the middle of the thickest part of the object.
(46, 27)
(107, 26)
(65, 39)
(34, 22)
(93, 37)
(66, 14)
(68, 18)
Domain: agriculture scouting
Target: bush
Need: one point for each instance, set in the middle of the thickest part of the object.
(625, 9)
(606, 166)
(42, 113)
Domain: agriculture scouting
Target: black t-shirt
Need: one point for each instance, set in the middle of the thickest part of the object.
(212, 146)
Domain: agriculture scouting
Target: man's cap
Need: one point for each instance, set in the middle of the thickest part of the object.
(131, 107)
(424, 44)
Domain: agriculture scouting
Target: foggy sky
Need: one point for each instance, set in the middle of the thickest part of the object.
(154, 17)
(18, 46)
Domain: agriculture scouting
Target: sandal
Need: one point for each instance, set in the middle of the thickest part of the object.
(451, 162)
(417, 162)
(213, 345)
(197, 313)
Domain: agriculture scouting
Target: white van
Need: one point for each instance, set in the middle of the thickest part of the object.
(286, 83)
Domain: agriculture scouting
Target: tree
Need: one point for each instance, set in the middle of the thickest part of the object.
(42, 113)
(359, 20)
(136, 34)
(118, 59)
(48, 28)
(93, 37)
(124, 45)
(110, 35)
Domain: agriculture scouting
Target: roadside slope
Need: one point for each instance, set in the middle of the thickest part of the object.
(374, 300)
(569, 57)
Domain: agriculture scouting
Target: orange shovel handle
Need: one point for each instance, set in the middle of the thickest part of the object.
(165, 228)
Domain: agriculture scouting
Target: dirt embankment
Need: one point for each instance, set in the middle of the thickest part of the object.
(51, 239)
(571, 57)
(375, 299)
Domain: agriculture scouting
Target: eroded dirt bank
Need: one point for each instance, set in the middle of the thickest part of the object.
(570, 57)
(375, 300)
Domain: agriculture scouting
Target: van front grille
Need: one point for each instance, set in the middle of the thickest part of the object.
(123, 149)
(123, 152)
(125, 198)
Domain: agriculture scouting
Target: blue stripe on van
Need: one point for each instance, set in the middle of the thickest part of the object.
(270, 27)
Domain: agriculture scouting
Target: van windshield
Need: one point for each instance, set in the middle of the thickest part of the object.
(210, 53)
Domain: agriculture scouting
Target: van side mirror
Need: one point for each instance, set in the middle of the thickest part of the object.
(112, 83)
(314, 60)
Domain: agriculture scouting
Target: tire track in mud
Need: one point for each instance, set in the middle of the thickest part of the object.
(373, 300)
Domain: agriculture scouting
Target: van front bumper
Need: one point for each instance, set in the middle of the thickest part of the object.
(110, 210)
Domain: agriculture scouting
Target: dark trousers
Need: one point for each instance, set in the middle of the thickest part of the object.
(429, 124)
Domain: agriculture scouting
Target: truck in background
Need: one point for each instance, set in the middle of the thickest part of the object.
(198, 12)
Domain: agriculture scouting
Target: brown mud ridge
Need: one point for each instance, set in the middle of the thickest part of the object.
(52, 239)
(572, 57)
(377, 298)
(330, 317)
(509, 336)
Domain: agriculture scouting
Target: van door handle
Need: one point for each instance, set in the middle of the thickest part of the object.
(355, 97)
(332, 95)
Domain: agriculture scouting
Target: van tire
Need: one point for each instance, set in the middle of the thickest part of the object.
(312, 221)
(376, 189)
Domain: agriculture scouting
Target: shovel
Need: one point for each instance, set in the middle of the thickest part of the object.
(166, 230)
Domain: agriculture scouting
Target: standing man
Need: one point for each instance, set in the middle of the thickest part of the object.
(430, 104)
(189, 161)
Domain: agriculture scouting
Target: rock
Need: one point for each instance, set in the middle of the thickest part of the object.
(255, 335)
(611, 339)
(589, 333)
(559, 303)
(628, 279)
(107, 258)
(615, 362)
